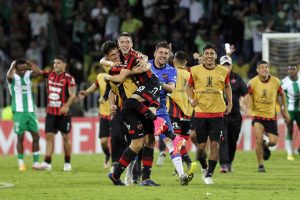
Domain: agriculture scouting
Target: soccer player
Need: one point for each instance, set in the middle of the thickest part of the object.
(261, 99)
(291, 87)
(23, 106)
(232, 121)
(140, 131)
(61, 90)
(104, 112)
(180, 111)
(205, 89)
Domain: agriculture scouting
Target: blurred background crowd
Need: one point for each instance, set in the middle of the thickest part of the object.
(40, 29)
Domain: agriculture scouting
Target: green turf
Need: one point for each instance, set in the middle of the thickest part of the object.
(88, 180)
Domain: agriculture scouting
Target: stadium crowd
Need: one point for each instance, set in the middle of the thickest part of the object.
(39, 30)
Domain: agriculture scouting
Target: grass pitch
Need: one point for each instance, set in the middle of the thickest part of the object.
(88, 180)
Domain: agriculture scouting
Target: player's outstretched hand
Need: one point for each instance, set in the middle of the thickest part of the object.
(64, 109)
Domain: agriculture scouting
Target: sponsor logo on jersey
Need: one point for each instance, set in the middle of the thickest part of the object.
(55, 104)
(54, 89)
(54, 96)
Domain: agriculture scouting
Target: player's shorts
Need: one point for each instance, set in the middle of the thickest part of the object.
(295, 116)
(137, 125)
(269, 125)
(208, 127)
(150, 92)
(55, 123)
(181, 127)
(104, 126)
(25, 121)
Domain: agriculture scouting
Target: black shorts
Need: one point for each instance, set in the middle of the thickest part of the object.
(181, 127)
(137, 125)
(208, 127)
(118, 130)
(269, 125)
(150, 92)
(55, 123)
(104, 127)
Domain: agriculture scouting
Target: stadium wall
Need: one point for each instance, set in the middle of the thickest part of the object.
(84, 137)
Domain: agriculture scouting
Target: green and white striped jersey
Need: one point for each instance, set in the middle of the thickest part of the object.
(292, 93)
(21, 93)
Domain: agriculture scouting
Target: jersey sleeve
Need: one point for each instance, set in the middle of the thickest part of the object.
(250, 90)
(71, 82)
(227, 80)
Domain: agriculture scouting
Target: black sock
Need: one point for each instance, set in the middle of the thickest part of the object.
(185, 156)
(202, 160)
(67, 158)
(127, 156)
(48, 159)
(168, 133)
(106, 153)
(211, 167)
(147, 160)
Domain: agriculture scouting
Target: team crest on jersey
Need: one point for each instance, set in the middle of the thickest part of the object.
(209, 81)
(165, 76)
(233, 81)
(264, 94)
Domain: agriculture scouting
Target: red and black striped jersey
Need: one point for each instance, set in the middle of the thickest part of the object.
(57, 90)
(130, 61)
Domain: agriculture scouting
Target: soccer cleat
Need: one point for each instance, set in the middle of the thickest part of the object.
(184, 179)
(266, 151)
(45, 166)
(161, 159)
(230, 168)
(67, 167)
(224, 168)
(115, 181)
(148, 182)
(261, 168)
(177, 143)
(191, 170)
(36, 166)
(22, 167)
(290, 158)
(158, 125)
(208, 181)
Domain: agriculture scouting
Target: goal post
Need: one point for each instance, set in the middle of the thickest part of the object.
(281, 50)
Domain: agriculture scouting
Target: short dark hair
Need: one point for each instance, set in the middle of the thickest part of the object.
(209, 46)
(108, 46)
(261, 63)
(180, 56)
(163, 44)
(125, 34)
(20, 61)
(61, 57)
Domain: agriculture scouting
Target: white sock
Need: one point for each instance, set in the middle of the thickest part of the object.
(21, 161)
(289, 147)
(177, 162)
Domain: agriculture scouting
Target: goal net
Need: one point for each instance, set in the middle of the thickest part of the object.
(281, 50)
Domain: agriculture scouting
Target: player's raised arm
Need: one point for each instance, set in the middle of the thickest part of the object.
(11, 71)
(35, 69)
